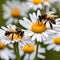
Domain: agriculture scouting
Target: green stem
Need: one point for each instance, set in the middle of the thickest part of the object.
(16, 51)
(37, 51)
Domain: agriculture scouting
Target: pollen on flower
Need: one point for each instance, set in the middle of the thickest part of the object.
(57, 40)
(2, 45)
(15, 36)
(38, 27)
(37, 1)
(28, 48)
(15, 13)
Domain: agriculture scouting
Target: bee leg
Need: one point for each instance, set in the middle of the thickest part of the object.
(12, 35)
(18, 35)
(40, 19)
(45, 23)
(51, 25)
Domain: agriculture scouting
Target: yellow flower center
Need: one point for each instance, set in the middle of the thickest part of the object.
(38, 27)
(15, 36)
(57, 40)
(15, 13)
(2, 45)
(28, 48)
(37, 1)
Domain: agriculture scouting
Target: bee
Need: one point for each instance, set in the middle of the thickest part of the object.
(47, 17)
(17, 31)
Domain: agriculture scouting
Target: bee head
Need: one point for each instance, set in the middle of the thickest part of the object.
(7, 33)
(43, 16)
(22, 33)
(18, 29)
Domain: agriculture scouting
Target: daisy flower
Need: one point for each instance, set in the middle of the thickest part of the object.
(13, 10)
(35, 4)
(36, 30)
(5, 53)
(53, 42)
(9, 34)
(30, 51)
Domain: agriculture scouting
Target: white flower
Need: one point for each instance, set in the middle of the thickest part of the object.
(30, 52)
(53, 42)
(6, 39)
(5, 53)
(34, 4)
(35, 29)
(13, 10)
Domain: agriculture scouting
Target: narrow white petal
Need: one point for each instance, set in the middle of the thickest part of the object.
(34, 37)
(39, 6)
(41, 50)
(23, 24)
(38, 13)
(28, 33)
(49, 47)
(35, 7)
(15, 20)
(5, 7)
(48, 41)
(39, 38)
(4, 56)
(57, 48)
(32, 56)
(27, 20)
(41, 56)
(45, 34)
(58, 19)
(9, 3)
(5, 16)
(26, 57)
(32, 18)
(4, 28)
(10, 20)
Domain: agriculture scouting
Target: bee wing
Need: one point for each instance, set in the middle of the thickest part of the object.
(50, 12)
(55, 15)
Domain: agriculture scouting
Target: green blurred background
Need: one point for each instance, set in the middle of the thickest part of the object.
(50, 55)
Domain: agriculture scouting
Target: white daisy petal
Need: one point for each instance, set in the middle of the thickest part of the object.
(23, 24)
(50, 47)
(27, 20)
(6, 16)
(26, 57)
(32, 17)
(34, 37)
(45, 34)
(10, 20)
(41, 56)
(38, 13)
(39, 38)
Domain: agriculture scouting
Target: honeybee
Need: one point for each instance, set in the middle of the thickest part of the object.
(47, 17)
(17, 31)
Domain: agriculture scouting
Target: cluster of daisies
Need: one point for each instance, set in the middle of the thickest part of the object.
(24, 43)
